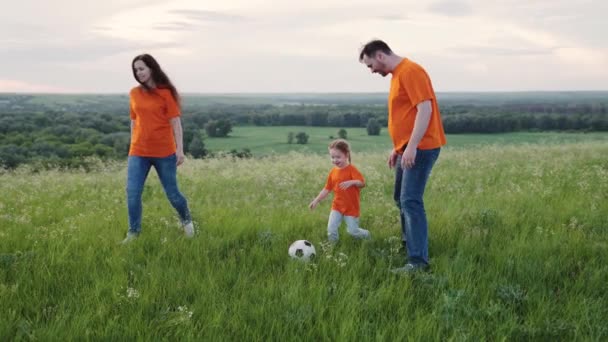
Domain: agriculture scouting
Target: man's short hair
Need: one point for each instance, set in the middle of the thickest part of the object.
(374, 46)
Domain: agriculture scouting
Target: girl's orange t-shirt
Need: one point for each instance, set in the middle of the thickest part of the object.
(345, 201)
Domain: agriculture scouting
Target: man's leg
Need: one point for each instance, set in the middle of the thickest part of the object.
(412, 206)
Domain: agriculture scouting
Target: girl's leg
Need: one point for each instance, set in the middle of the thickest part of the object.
(352, 225)
(335, 218)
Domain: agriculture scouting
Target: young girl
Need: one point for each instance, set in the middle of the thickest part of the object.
(156, 141)
(345, 181)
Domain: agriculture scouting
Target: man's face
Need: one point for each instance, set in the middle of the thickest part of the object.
(376, 64)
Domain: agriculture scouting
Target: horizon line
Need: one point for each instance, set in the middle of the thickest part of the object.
(310, 92)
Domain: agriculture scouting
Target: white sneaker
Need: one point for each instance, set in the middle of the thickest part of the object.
(189, 230)
(130, 237)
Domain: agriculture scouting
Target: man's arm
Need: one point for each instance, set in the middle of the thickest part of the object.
(423, 117)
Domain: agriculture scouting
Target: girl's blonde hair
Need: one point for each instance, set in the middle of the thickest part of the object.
(341, 145)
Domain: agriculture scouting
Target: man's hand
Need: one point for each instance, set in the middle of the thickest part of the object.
(409, 157)
(392, 159)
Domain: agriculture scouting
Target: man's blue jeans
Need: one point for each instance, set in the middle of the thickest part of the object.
(137, 172)
(409, 192)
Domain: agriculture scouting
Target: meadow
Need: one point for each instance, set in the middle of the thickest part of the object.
(518, 245)
(264, 141)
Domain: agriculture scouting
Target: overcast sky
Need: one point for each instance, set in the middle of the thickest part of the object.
(255, 46)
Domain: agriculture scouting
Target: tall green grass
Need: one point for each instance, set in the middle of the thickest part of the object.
(518, 251)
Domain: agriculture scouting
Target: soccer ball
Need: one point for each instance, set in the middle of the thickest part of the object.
(302, 250)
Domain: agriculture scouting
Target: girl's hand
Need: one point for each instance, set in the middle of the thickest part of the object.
(347, 184)
(313, 205)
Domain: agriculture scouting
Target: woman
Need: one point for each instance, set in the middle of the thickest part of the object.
(156, 140)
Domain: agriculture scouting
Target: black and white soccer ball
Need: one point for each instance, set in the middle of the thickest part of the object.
(302, 250)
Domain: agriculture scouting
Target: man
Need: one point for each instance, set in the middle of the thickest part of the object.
(414, 124)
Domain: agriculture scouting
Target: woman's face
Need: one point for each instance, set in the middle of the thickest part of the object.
(143, 73)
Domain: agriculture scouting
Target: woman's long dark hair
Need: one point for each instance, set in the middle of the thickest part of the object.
(158, 75)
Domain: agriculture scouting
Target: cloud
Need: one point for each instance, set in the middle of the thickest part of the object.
(176, 26)
(208, 16)
(489, 50)
(452, 8)
(74, 51)
(17, 86)
(310, 45)
(392, 17)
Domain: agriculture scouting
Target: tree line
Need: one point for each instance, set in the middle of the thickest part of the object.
(41, 129)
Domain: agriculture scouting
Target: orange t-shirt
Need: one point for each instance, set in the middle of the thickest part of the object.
(151, 111)
(410, 86)
(345, 201)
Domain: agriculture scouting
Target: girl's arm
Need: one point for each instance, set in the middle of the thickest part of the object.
(319, 198)
(355, 182)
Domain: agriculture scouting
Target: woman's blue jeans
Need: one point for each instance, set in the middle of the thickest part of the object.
(137, 172)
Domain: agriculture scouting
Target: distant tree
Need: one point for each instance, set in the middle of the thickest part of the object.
(352, 120)
(373, 127)
(302, 138)
(342, 134)
(11, 156)
(196, 148)
(245, 153)
(218, 128)
(317, 118)
(290, 137)
(258, 120)
(211, 128)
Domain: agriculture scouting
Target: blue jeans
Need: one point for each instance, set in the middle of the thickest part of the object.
(409, 192)
(137, 172)
(352, 226)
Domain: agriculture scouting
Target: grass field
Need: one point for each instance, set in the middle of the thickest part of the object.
(518, 245)
(273, 140)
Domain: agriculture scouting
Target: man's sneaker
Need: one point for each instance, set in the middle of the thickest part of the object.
(403, 248)
(130, 237)
(410, 268)
(189, 229)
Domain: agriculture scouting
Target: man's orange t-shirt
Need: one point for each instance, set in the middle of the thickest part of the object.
(345, 201)
(151, 111)
(410, 86)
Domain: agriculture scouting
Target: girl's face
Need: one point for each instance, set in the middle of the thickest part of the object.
(338, 158)
(144, 74)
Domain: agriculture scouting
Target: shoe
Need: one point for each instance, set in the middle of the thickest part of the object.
(130, 237)
(410, 268)
(189, 229)
(403, 248)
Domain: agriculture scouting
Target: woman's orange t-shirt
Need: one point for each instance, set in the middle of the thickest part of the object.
(152, 134)
(345, 201)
